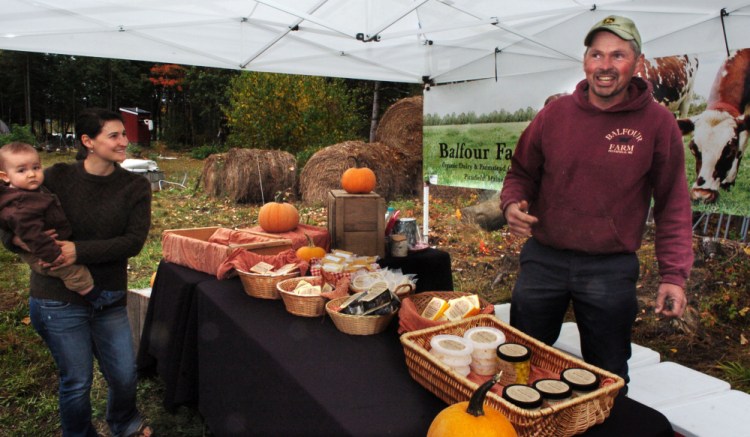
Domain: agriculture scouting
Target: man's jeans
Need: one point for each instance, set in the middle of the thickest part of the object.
(74, 335)
(602, 289)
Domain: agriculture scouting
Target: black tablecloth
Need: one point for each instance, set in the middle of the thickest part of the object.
(260, 370)
(168, 343)
(263, 371)
(432, 267)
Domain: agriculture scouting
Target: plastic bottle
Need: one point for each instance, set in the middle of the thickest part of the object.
(389, 213)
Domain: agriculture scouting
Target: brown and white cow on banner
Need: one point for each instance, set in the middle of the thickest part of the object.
(672, 78)
(720, 133)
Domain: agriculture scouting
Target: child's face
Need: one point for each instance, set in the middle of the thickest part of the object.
(22, 170)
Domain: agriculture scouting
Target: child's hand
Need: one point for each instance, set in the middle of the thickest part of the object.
(18, 242)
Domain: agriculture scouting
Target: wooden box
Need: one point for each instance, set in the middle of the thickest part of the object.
(137, 308)
(191, 247)
(356, 222)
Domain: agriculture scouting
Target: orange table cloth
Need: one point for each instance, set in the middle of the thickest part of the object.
(319, 235)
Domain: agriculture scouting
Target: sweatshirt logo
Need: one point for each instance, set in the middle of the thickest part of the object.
(623, 141)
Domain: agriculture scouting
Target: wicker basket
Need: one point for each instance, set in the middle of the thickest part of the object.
(410, 314)
(357, 325)
(263, 286)
(402, 291)
(422, 299)
(568, 418)
(305, 306)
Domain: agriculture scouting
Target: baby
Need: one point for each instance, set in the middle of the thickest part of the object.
(27, 209)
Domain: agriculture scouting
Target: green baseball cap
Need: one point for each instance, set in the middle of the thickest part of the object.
(620, 26)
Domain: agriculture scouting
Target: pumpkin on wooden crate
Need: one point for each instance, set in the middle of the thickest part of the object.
(278, 216)
(472, 418)
(358, 180)
(310, 251)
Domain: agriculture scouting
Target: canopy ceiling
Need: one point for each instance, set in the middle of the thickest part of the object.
(390, 40)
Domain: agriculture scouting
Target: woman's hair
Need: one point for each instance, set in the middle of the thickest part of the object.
(90, 123)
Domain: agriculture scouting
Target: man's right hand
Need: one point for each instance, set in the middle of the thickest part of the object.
(520, 222)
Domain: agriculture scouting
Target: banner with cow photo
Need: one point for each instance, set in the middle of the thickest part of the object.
(471, 128)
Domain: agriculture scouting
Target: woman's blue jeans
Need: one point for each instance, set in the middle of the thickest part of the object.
(602, 289)
(76, 334)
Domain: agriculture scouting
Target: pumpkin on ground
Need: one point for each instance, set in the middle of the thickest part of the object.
(310, 251)
(360, 180)
(471, 419)
(278, 216)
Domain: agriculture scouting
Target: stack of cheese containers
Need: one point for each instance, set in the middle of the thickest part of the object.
(484, 341)
(453, 351)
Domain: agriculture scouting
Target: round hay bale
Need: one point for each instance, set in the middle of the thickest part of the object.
(323, 170)
(252, 175)
(213, 175)
(401, 126)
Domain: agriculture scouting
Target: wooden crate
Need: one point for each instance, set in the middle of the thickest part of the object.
(356, 222)
(191, 248)
(137, 308)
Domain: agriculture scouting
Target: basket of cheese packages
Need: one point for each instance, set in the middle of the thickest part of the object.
(433, 308)
(365, 312)
(262, 278)
(302, 295)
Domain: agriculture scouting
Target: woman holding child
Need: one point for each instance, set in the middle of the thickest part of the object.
(109, 210)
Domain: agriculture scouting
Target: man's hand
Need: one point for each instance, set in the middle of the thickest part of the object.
(670, 300)
(519, 220)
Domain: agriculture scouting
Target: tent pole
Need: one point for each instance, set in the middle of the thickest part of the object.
(426, 213)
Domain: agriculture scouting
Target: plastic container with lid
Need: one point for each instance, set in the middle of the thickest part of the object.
(453, 351)
(581, 381)
(514, 360)
(523, 396)
(485, 340)
(553, 391)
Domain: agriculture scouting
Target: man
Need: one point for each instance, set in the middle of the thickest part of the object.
(580, 184)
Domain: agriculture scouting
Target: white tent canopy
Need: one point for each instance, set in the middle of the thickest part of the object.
(391, 40)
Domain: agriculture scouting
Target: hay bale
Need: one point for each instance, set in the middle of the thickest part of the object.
(323, 170)
(213, 175)
(250, 175)
(401, 126)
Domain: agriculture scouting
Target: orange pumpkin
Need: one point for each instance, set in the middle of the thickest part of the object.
(472, 418)
(310, 251)
(360, 180)
(278, 217)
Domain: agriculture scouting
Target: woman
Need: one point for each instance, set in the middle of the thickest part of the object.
(109, 209)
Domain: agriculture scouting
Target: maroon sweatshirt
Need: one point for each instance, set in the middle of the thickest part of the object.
(589, 176)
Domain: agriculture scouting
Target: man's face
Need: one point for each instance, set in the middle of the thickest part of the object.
(609, 63)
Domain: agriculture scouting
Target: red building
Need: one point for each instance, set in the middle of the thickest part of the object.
(138, 125)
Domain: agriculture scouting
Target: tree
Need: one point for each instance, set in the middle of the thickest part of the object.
(298, 114)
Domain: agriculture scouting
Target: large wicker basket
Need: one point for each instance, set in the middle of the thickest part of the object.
(263, 286)
(305, 306)
(356, 325)
(568, 418)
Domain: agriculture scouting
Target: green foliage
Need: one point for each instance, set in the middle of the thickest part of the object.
(18, 133)
(202, 152)
(134, 150)
(501, 116)
(288, 112)
(737, 373)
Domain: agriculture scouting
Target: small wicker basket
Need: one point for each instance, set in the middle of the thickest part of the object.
(305, 306)
(402, 291)
(356, 325)
(263, 286)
